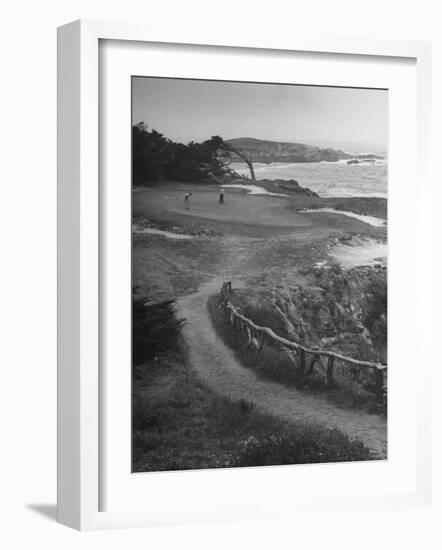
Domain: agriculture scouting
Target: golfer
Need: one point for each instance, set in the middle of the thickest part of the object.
(221, 194)
(187, 200)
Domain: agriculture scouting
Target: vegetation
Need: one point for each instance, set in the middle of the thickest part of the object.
(164, 268)
(229, 148)
(155, 330)
(309, 444)
(375, 312)
(366, 206)
(179, 423)
(270, 364)
(156, 157)
(279, 151)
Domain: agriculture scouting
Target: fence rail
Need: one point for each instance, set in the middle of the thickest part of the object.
(299, 354)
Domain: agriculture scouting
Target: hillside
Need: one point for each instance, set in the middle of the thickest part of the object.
(277, 151)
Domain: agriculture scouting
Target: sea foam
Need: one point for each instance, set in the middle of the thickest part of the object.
(328, 179)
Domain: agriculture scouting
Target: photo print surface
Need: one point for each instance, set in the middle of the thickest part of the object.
(259, 274)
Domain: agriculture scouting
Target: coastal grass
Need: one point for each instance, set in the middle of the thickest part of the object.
(179, 423)
(270, 364)
(163, 268)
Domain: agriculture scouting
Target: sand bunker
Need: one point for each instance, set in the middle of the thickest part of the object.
(364, 252)
(169, 234)
(371, 220)
(254, 189)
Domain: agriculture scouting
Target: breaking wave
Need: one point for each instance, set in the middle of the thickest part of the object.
(328, 179)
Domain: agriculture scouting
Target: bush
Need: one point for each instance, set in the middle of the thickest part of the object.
(155, 330)
(305, 446)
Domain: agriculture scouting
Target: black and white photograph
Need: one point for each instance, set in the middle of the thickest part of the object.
(259, 274)
(228, 219)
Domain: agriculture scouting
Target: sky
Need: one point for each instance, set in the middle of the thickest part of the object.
(355, 120)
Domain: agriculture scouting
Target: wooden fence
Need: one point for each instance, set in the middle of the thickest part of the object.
(302, 357)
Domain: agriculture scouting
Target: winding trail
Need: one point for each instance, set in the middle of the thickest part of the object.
(216, 364)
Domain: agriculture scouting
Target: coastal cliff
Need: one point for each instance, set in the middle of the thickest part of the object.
(276, 151)
(333, 308)
(265, 151)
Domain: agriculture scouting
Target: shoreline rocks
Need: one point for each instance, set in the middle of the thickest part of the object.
(289, 187)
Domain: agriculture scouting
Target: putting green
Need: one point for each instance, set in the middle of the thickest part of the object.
(238, 207)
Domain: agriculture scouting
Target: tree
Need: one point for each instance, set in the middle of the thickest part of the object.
(155, 329)
(151, 152)
(225, 146)
(154, 157)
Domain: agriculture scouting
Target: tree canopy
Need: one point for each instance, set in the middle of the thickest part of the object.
(155, 157)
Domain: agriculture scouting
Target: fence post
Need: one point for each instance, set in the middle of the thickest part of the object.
(379, 383)
(258, 340)
(330, 369)
(312, 365)
(302, 364)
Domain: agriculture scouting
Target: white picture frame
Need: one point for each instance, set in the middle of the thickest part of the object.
(79, 475)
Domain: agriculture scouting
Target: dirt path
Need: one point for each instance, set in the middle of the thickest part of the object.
(217, 365)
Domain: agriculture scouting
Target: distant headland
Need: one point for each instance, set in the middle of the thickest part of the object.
(265, 151)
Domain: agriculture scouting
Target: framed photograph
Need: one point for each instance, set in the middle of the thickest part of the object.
(239, 223)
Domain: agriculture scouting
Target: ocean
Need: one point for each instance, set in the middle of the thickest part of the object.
(328, 179)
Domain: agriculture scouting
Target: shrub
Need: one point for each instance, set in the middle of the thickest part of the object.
(308, 445)
(155, 329)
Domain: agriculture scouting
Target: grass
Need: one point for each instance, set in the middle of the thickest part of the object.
(275, 366)
(309, 444)
(368, 206)
(248, 216)
(165, 268)
(178, 423)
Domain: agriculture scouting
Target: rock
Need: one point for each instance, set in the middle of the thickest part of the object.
(340, 310)
(286, 186)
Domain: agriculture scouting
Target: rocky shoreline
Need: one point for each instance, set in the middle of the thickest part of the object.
(308, 199)
(330, 308)
(289, 187)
